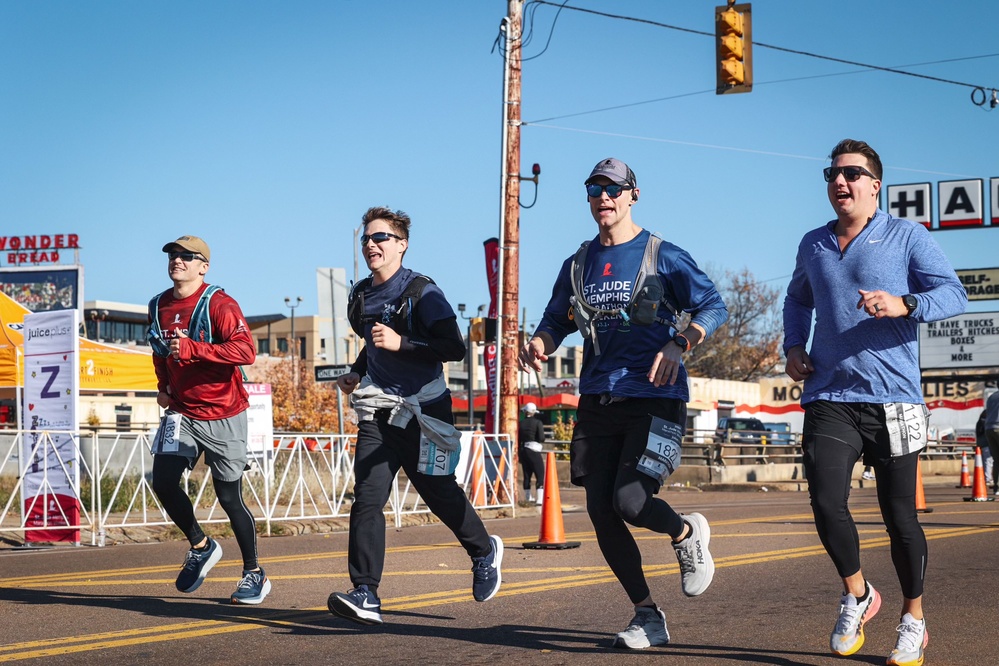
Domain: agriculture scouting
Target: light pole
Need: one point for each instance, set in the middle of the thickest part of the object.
(98, 316)
(471, 362)
(294, 344)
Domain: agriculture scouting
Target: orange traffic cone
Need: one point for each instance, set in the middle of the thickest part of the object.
(920, 495)
(478, 472)
(965, 477)
(552, 535)
(980, 493)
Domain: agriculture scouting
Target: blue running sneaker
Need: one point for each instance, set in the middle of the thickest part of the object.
(359, 605)
(197, 565)
(487, 574)
(252, 588)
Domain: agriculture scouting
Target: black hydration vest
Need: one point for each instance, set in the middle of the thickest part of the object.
(402, 321)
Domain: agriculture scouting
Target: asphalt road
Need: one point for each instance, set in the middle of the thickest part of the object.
(774, 599)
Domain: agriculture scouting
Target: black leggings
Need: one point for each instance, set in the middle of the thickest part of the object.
(533, 465)
(167, 472)
(606, 445)
(833, 439)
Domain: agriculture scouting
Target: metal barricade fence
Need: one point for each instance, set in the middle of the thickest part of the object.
(305, 476)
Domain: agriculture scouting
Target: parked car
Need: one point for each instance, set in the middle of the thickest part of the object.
(781, 433)
(738, 430)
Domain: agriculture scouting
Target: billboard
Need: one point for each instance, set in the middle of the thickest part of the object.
(967, 341)
(44, 288)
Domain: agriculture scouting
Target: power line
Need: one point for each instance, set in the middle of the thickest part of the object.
(754, 151)
(756, 44)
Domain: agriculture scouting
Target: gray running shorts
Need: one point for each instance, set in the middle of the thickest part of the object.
(223, 441)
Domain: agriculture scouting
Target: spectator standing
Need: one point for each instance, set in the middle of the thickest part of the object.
(991, 427)
(530, 437)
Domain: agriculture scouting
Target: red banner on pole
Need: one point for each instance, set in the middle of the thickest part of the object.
(489, 355)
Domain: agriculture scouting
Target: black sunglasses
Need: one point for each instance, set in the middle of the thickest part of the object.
(850, 173)
(186, 257)
(378, 237)
(613, 190)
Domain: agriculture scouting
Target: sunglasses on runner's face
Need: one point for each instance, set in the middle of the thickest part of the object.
(613, 191)
(378, 237)
(850, 173)
(186, 257)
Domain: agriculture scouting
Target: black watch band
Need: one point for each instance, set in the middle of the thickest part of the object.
(682, 342)
(910, 303)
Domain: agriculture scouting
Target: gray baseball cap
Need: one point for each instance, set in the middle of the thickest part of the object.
(616, 170)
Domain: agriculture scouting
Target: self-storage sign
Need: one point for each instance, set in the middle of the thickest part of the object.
(982, 284)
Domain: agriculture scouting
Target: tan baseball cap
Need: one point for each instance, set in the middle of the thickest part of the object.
(191, 244)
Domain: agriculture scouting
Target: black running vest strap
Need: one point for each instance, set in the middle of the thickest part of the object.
(403, 322)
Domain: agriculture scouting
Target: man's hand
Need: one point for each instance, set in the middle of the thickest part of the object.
(532, 355)
(881, 304)
(799, 365)
(163, 399)
(348, 382)
(666, 365)
(384, 337)
(175, 344)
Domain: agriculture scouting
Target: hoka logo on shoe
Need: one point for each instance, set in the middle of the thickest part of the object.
(700, 555)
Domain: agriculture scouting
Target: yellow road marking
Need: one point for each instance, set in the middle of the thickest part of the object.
(579, 577)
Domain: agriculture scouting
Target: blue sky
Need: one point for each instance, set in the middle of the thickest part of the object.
(268, 128)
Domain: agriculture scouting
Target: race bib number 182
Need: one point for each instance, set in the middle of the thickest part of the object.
(662, 450)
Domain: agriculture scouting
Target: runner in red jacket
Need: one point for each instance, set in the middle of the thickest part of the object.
(199, 339)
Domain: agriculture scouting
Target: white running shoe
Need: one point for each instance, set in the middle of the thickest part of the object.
(912, 640)
(646, 629)
(697, 567)
(848, 635)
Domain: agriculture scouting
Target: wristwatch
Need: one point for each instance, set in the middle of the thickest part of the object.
(681, 342)
(910, 303)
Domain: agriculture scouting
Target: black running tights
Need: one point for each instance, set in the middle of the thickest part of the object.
(167, 472)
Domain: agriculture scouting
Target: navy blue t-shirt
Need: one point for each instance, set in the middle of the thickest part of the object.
(401, 372)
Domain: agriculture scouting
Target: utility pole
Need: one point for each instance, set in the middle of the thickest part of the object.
(509, 256)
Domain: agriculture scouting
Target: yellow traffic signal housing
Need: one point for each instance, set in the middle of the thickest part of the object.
(477, 332)
(734, 48)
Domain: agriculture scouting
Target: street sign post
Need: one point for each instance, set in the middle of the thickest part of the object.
(329, 373)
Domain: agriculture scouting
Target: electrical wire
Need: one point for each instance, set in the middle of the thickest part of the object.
(769, 153)
(891, 70)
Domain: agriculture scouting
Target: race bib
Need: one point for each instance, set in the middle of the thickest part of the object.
(435, 461)
(662, 450)
(907, 425)
(167, 438)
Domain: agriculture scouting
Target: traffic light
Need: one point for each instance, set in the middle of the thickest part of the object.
(477, 332)
(734, 45)
(482, 329)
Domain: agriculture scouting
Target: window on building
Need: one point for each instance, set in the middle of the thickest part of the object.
(283, 345)
(263, 345)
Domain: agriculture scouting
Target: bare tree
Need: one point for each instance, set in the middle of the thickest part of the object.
(748, 346)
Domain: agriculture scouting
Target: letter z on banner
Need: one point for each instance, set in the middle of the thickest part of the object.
(50, 473)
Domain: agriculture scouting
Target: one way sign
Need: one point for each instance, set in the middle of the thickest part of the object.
(329, 373)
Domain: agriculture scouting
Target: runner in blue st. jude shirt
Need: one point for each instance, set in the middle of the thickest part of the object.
(633, 387)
